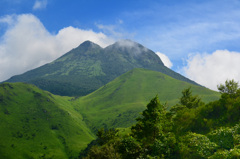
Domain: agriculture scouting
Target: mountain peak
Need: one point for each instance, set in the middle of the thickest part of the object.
(89, 44)
(88, 67)
(128, 46)
(126, 43)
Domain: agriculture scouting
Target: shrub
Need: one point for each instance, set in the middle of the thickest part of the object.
(196, 146)
(223, 137)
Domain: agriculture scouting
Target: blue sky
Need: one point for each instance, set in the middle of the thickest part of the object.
(200, 38)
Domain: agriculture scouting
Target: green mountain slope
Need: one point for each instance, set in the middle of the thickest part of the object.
(88, 67)
(37, 124)
(119, 102)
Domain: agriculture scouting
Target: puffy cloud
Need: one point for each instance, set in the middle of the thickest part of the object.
(166, 61)
(213, 69)
(27, 44)
(70, 37)
(40, 4)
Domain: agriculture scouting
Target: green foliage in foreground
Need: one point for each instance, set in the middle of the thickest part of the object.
(195, 130)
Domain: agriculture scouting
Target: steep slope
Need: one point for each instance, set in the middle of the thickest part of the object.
(37, 124)
(119, 102)
(88, 67)
(75, 73)
(135, 55)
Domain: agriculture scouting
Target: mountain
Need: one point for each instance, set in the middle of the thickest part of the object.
(118, 103)
(88, 67)
(37, 124)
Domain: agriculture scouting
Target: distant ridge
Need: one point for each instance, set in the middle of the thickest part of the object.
(88, 67)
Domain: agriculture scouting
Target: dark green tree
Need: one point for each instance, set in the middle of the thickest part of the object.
(186, 101)
(153, 131)
(107, 151)
(151, 125)
(230, 87)
(104, 147)
(130, 148)
(105, 136)
(189, 100)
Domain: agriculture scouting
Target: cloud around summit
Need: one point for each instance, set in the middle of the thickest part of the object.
(27, 44)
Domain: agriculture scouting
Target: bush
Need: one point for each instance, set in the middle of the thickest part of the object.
(231, 154)
(196, 146)
(130, 148)
(223, 137)
(104, 152)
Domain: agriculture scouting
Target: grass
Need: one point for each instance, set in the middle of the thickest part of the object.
(119, 102)
(37, 124)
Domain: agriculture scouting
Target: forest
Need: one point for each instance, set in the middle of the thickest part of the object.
(190, 129)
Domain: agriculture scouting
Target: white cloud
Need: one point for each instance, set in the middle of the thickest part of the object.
(110, 30)
(40, 4)
(27, 44)
(70, 37)
(133, 46)
(115, 30)
(213, 69)
(166, 61)
(7, 19)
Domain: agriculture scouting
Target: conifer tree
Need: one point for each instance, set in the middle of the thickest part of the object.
(153, 131)
(189, 100)
(231, 87)
(151, 125)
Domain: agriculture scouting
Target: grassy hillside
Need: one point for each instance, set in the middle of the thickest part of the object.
(37, 124)
(119, 102)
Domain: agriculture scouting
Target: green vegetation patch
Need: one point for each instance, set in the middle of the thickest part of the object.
(37, 124)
